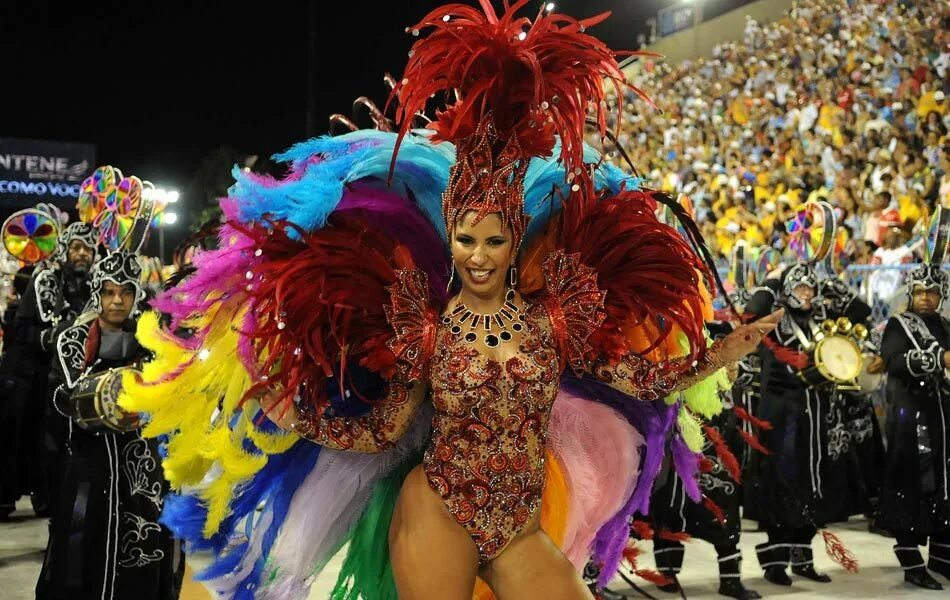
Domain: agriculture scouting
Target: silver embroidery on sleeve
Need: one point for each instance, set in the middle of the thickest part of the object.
(46, 287)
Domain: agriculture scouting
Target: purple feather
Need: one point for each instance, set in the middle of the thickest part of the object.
(393, 214)
(654, 421)
(686, 463)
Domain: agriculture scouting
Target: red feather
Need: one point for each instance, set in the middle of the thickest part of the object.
(537, 79)
(838, 552)
(650, 273)
(706, 465)
(715, 509)
(674, 536)
(318, 302)
(630, 554)
(793, 358)
(654, 577)
(756, 422)
(726, 457)
(642, 530)
(753, 441)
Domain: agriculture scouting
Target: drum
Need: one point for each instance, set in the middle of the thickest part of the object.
(869, 383)
(839, 360)
(93, 405)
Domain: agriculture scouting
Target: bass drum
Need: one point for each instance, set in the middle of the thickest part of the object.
(93, 405)
(869, 383)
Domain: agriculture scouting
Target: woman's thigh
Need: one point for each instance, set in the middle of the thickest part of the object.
(532, 567)
(432, 555)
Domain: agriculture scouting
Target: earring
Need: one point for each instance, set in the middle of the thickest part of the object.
(513, 277)
(448, 287)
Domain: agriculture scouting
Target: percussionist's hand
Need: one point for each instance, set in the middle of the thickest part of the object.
(877, 366)
(746, 338)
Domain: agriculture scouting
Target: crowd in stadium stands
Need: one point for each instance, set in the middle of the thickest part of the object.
(838, 100)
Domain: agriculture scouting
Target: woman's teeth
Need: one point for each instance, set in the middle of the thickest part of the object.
(479, 274)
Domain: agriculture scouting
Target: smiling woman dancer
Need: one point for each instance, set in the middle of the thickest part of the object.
(439, 452)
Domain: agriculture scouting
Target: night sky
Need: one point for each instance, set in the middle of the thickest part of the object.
(157, 86)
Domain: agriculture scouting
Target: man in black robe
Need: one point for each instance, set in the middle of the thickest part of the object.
(105, 539)
(57, 292)
(914, 503)
(18, 446)
(861, 423)
(801, 484)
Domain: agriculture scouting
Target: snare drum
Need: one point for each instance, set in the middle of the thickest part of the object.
(838, 361)
(93, 405)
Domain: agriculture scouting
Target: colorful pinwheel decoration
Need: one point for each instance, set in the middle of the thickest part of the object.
(938, 236)
(125, 214)
(94, 191)
(811, 231)
(766, 261)
(30, 235)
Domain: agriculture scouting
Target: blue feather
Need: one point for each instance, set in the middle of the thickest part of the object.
(321, 167)
(294, 466)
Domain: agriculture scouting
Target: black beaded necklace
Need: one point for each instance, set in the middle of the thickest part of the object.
(495, 328)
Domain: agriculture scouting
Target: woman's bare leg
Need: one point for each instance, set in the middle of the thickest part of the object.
(431, 554)
(532, 567)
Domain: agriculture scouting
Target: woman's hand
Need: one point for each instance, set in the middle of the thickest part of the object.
(745, 338)
(282, 412)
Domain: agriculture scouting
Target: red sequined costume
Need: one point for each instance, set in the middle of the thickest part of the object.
(328, 295)
(486, 455)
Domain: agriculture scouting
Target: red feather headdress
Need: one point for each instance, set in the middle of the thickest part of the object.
(518, 85)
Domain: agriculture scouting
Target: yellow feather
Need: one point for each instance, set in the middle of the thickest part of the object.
(193, 395)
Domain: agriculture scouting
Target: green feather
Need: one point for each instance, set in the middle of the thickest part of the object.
(689, 429)
(367, 572)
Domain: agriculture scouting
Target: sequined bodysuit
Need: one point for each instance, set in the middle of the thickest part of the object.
(486, 455)
(486, 458)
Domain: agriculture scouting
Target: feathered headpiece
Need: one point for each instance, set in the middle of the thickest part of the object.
(519, 85)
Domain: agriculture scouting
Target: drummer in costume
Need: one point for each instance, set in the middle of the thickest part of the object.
(106, 541)
(915, 495)
(57, 293)
(799, 484)
(718, 519)
(860, 420)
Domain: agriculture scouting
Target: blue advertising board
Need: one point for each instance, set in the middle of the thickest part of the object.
(33, 171)
(675, 18)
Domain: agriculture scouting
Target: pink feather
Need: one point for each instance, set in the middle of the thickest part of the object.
(599, 452)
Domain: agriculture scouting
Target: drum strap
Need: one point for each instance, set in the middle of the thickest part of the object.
(807, 344)
(920, 326)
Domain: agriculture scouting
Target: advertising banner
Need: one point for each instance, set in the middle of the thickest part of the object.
(33, 171)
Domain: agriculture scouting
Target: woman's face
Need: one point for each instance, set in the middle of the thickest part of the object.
(482, 254)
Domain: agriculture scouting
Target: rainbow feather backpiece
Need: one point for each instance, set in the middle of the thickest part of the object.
(225, 460)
